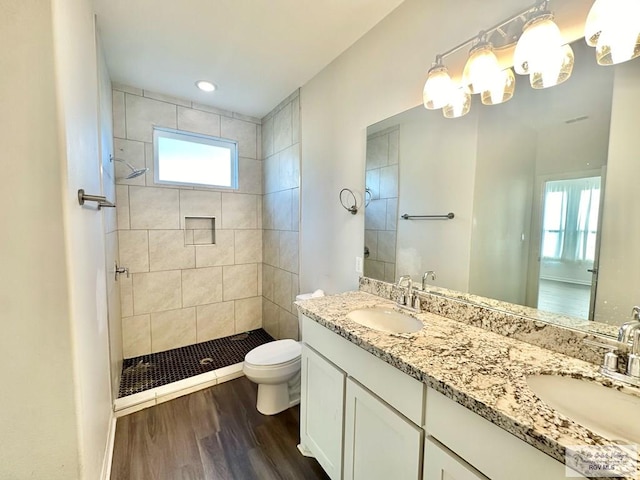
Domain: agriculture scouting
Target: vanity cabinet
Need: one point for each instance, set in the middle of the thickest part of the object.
(364, 420)
(379, 443)
(440, 463)
(321, 410)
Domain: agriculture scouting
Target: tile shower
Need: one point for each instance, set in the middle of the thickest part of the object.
(180, 294)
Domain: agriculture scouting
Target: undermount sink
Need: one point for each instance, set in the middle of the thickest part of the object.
(385, 320)
(603, 410)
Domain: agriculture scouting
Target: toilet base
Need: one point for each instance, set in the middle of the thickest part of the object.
(276, 398)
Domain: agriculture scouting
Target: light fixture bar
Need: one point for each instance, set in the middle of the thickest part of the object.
(493, 29)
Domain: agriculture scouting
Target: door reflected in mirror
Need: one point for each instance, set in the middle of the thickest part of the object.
(534, 224)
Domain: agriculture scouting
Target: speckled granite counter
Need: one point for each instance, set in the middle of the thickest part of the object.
(481, 370)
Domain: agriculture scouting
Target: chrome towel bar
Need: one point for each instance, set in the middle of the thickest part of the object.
(99, 199)
(448, 216)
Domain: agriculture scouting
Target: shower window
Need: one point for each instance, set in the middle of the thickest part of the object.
(184, 158)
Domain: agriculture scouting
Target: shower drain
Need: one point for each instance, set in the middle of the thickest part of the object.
(206, 361)
(237, 338)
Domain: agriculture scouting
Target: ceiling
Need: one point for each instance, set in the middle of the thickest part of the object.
(256, 52)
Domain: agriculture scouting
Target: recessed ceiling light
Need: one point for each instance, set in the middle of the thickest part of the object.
(205, 86)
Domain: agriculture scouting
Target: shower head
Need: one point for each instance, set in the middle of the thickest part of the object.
(135, 172)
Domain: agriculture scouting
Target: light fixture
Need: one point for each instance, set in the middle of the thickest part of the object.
(205, 86)
(542, 53)
(459, 103)
(613, 27)
(502, 90)
(482, 71)
(438, 87)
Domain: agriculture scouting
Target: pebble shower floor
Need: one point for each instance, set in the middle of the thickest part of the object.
(157, 369)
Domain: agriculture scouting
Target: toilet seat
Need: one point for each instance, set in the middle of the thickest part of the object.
(278, 353)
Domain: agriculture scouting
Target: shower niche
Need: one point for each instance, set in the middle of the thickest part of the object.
(199, 230)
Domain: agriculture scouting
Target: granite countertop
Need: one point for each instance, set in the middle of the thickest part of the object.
(483, 371)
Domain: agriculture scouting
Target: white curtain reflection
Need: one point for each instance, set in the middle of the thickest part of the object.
(570, 222)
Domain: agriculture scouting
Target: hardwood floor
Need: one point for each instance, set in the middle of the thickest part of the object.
(564, 298)
(215, 433)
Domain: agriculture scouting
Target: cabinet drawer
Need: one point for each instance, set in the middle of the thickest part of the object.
(490, 449)
(402, 392)
(442, 464)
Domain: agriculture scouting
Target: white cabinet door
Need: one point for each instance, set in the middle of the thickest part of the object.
(321, 411)
(441, 464)
(379, 442)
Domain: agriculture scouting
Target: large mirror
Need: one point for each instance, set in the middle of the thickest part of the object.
(543, 188)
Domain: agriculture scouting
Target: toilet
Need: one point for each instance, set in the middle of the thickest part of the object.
(275, 367)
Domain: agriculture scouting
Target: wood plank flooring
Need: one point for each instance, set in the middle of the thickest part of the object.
(215, 433)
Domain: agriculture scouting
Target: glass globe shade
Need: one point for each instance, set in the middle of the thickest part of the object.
(595, 20)
(619, 40)
(459, 104)
(556, 70)
(437, 88)
(482, 68)
(502, 90)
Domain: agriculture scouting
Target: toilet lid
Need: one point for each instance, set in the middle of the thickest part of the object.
(274, 353)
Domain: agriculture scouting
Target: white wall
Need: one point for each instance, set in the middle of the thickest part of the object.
(77, 94)
(437, 171)
(502, 204)
(37, 404)
(620, 255)
(379, 76)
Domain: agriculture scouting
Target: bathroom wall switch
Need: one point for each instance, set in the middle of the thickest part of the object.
(359, 265)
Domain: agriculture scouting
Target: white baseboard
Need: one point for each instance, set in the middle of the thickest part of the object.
(108, 454)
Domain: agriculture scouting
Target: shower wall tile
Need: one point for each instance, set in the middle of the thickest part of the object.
(198, 203)
(122, 207)
(201, 286)
(156, 291)
(216, 320)
(295, 209)
(239, 211)
(119, 125)
(290, 167)
(282, 128)
(268, 279)
(245, 133)
(198, 121)
(240, 281)
(282, 288)
(221, 253)
(145, 113)
(267, 138)
(377, 152)
(375, 215)
(271, 318)
(249, 176)
(134, 250)
(281, 212)
(183, 286)
(248, 314)
(136, 335)
(271, 242)
(167, 251)
(392, 214)
(126, 295)
(389, 181)
(394, 147)
(289, 251)
(288, 325)
(173, 329)
(154, 208)
(248, 246)
(371, 241)
(387, 246)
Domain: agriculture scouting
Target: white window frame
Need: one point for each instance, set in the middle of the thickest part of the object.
(231, 145)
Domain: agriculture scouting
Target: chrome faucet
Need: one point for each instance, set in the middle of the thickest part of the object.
(427, 274)
(628, 338)
(407, 299)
